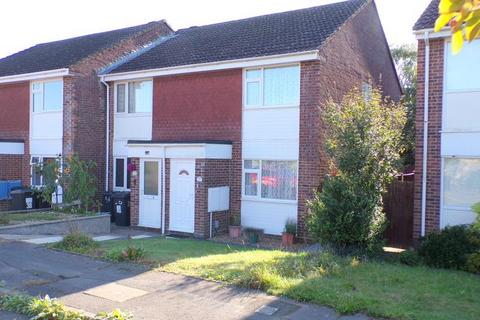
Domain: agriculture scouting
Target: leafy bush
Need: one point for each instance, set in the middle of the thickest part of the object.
(450, 247)
(76, 178)
(364, 142)
(51, 309)
(476, 209)
(77, 242)
(4, 219)
(410, 258)
(473, 262)
(130, 253)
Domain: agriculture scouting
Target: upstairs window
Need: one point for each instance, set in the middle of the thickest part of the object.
(134, 97)
(47, 96)
(272, 87)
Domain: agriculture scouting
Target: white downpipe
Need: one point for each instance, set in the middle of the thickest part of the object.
(163, 191)
(425, 132)
(107, 140)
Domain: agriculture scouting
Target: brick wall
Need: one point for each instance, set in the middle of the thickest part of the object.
(202, 106)
(84, 100)
(357, 53)
(432, 221)
(135, 193)
(14, 124)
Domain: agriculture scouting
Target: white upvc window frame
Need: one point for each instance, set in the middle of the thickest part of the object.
(42, 91)
(262, 105)
(125, 173)
(258, 171)
(126, 83)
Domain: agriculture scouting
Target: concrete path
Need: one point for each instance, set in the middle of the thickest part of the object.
(94, 286)
(117, 233)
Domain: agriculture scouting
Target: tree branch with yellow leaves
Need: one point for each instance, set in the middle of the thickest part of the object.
(463, 17)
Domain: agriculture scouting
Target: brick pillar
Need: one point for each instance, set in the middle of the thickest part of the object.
(135, 193)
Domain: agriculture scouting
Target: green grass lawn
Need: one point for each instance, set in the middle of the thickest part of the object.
(17, 218)
(377, 288)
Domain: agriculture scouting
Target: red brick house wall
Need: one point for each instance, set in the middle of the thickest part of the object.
(357, 53)
(202, 106)
(14, 124)
(432, 221)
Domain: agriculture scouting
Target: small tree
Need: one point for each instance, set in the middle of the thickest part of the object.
(364, 142)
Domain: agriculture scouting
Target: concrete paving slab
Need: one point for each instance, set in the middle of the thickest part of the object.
(116, 292)
(106, 238)
(44, 240)
(141, 236)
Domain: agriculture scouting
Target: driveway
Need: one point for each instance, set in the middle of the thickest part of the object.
(93, 286)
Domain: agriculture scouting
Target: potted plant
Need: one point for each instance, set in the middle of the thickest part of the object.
(234, 229)
(253, 235)
(289, 233)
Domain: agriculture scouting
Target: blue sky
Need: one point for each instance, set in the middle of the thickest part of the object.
(25, 23)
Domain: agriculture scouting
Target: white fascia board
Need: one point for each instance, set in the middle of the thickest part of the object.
(180, 151)
(212, 66)
(444, 33)
(35, 75)
(12, 148)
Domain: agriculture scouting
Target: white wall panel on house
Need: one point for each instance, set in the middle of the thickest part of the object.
(461, 111)
(461, 144)
(462, 69)
(266, 215)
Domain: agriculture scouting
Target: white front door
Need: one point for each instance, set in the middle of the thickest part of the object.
(150, 194)
(182, 195)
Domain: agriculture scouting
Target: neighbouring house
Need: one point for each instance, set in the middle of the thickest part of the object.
(52, 102)
(447, 128)
(226, 119)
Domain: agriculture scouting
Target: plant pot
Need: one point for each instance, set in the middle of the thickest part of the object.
(234, 231)
(253, 237)
(287, 239)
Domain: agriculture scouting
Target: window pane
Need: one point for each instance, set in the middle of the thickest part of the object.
(253, 93)
(279, 180)
(53, 99)
(119, 172)
(254, 74)
(281, 86)
(252, 164)
(461, 182)
(121, 98)
(36, 174)
(251, 184)
(150, 178)
(462, 67)
(37, 102)
(140, 95)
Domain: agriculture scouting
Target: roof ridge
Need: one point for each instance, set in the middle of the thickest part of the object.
(274, 14)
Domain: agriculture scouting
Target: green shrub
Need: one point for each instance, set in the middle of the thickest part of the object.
(364, 142)
(77, 242)
(473, 262)
(4, 219)
(450, 247)
(114, 315)
(410, 258)
(16, 303)
(130, 253)
(476, 209)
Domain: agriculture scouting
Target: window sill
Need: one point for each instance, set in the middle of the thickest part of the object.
(277, 201)
(48, 112)
(133, 115)
(271, 107)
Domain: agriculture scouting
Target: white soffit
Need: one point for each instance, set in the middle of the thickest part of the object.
(35, 75)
